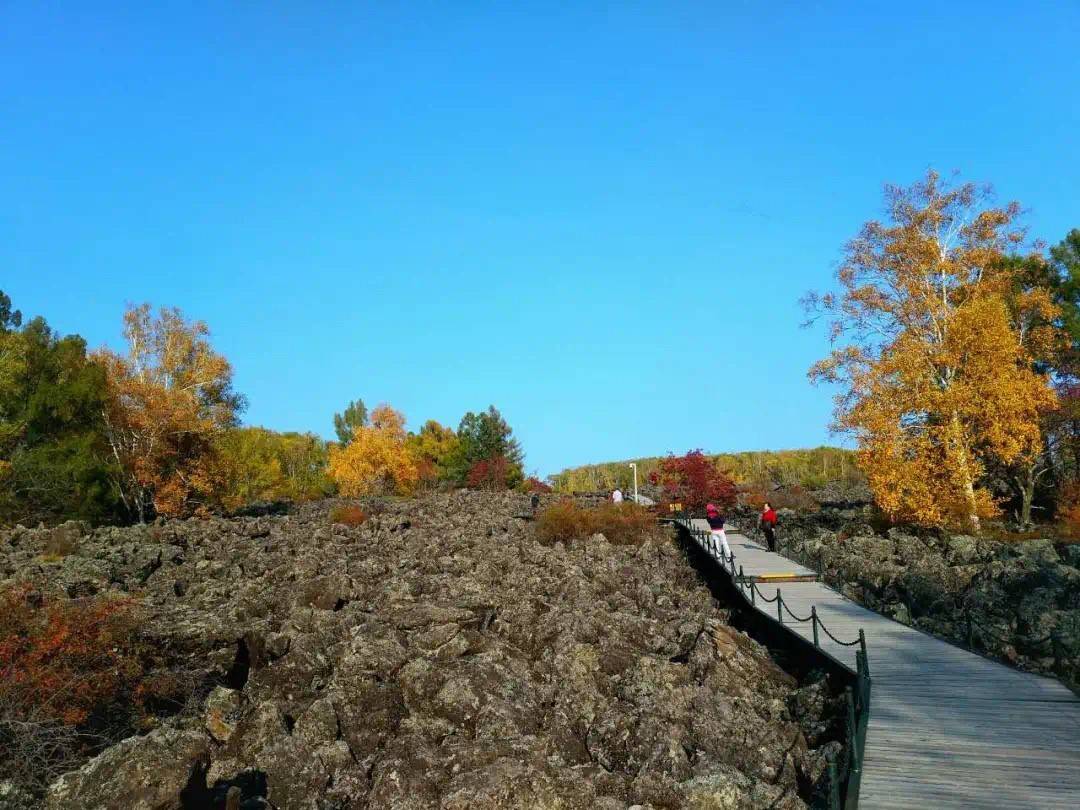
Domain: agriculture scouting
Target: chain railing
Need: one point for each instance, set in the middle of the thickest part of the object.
(845, 776)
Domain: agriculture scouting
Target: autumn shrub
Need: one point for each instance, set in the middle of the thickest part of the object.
(623, 522)
(348, 515)
(1068, 511)
(619, 523)
(561, 521)
(534, 484)
(753, 498)
(75, 676)
(794, 497)
(63, 663)
(63, 660)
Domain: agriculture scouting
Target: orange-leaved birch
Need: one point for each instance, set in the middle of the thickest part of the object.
(931, 332)
(170, 396)
(377, 460)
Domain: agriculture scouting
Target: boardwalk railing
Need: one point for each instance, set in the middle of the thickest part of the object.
(844, 776)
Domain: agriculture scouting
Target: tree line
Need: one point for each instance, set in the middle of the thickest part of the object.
(811, 468)
(109, 436)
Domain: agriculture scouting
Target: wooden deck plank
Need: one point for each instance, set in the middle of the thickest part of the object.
(948, 728)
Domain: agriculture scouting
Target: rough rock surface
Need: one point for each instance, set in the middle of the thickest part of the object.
(438, 656)
(1018, 601)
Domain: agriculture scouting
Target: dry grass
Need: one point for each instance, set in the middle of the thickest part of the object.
(619, 523)
(348, 515)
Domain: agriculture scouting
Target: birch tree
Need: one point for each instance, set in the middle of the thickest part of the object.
(932, 334)
(170, 397)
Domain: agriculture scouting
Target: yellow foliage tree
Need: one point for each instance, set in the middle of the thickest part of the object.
(935, 331)
(433, 448)
(263, 465)
(377, 460)
(169, 397)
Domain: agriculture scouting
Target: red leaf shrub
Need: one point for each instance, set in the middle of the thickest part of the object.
(533, 484)
(1068, 511)
(489, 473)
(693, 481)
(63, 660)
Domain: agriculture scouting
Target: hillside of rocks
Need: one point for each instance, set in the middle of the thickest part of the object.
(436, 656)
(1016, 601)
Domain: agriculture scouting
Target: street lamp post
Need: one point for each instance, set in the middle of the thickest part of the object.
(634, 465)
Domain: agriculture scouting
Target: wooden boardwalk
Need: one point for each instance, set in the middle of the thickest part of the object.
(948, 728)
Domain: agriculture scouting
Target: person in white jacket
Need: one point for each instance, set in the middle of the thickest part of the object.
(616, 496)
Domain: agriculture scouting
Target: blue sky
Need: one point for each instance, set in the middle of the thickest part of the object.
(598, 218)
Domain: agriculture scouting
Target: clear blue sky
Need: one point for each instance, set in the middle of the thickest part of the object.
(599, 219)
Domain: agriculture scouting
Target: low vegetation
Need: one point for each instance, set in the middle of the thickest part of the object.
(568, 521)
(795, 498)
(74, 676)
(811, 468)
(348, 515)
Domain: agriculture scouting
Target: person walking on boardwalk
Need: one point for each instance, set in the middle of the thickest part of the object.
(768, 525)
(716, 526)
(616, 496)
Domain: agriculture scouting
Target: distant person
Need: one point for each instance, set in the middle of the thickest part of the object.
(535, 500)
(616, 496)
(716, 526)
(768, 525)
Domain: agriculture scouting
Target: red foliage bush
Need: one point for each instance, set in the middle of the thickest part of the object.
(693, 481)
(533, 484)
(348, 515)
(1068, 511)
(489, 473)
(62, 660)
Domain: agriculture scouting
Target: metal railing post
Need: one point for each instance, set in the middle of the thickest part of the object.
(834, 783)
(853, 756)
(814, 621)
(779, 606)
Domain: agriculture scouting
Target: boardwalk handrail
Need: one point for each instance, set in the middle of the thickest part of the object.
(845, 777)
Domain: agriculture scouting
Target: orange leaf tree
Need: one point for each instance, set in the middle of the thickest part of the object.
(170, 396)
(933, 333)
(378, 460)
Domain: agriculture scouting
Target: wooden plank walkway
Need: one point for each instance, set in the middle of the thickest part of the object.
(948, 728)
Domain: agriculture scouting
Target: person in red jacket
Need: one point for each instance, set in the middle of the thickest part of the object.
(768, 525)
